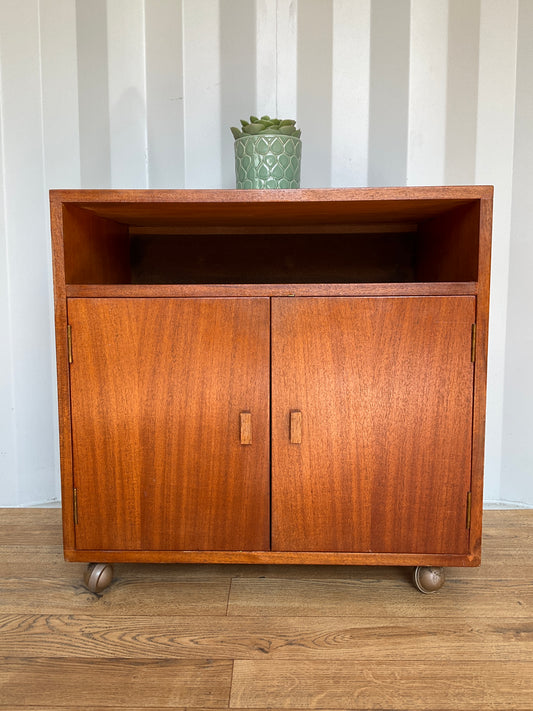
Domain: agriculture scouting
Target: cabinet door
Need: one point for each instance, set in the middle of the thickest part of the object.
(157, 389)
(381, 457)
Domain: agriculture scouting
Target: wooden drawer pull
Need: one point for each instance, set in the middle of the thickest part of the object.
(246, 427)
(295, 428)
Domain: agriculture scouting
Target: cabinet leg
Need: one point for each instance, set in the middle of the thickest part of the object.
(429, 580)
(98, 576)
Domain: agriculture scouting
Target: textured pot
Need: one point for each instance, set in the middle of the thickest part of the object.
(268, 161)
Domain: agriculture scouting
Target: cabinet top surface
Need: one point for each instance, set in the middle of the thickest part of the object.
(449, 192)
(328, 206)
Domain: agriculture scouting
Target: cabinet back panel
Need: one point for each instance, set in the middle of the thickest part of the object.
(255, 259)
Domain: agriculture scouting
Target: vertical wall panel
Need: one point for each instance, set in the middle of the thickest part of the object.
(8, 442)
(28, 331)
(494, 164)
(164, 93)
(315, 57)
(427, 92)
(61, 140)
(517, 454)
(201, 46)
(389, 92)
(287, 58)
(127, 93)
(461, 111)
(266, 57)
(60, 99)
(91, 31)
(350, 92)
(237, 75)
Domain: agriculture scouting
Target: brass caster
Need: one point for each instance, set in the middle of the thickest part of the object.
(98, 576)
(429, 580)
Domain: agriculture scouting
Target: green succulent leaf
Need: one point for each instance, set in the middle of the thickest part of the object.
(266, 125)
(253, 128)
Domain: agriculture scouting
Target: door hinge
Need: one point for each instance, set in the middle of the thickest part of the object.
(468, 509)
(69, 343)
(75, 505)
(473, 351)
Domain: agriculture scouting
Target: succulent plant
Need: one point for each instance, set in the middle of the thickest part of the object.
(265, 125)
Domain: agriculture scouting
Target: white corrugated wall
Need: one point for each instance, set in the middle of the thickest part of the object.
(141, 93)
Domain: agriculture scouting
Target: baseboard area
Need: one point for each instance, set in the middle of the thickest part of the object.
(42, 505)
(505, 505)
(490, 505)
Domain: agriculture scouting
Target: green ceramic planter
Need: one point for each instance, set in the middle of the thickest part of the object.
(268, 161)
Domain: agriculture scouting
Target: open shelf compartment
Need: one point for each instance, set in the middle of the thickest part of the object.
(357, 236)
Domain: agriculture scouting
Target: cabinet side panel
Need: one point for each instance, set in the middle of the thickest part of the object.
(480, 387)
(384, 386)
(448, 246)
(158, 388)
(96, 249)
(63, 386)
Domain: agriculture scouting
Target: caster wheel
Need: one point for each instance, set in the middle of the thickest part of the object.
(429, 580)
(98, 576)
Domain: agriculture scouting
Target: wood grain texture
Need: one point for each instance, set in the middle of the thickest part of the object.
(54, 594)
(310, 597)
(260, 638)
(385, 390)
(318, 206)
(62, 366)
(300, 637)
(96, 250)
(448, 246)
(265, 557)
(234, 290)
(319, 685)
(122, 683)
(480, 373)
(246, 427)
(295, 427)
(437, 232)
(160, 466)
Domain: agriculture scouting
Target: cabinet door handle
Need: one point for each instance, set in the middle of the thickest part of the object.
(295, 427)
(246, 427)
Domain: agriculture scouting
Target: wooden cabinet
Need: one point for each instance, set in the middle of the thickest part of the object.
(272, 376)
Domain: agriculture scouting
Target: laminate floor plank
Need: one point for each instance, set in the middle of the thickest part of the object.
(312, 598)
(421, 686)
(60, 595)
(358, 639)
(31, 527)
(122, 683)
(263, 637)
(44, 564)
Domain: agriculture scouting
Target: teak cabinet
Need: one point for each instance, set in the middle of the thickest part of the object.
(292, 376)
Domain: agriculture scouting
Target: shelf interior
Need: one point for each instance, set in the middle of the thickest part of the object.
(254, 243)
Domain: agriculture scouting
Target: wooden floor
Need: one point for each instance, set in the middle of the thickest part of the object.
(258, 637)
